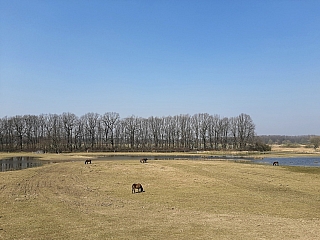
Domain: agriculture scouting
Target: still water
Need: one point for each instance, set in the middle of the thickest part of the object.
(19, 163)
(295, 161)
(298, 161)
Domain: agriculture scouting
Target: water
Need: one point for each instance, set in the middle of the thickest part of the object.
(297, 161)
(294, 161)
(19, 163)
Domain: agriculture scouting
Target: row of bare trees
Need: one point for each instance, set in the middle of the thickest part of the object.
(108, 132)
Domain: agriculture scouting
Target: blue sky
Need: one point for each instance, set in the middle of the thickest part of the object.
(164, 57)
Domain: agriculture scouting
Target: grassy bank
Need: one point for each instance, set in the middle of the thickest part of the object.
(182, 200)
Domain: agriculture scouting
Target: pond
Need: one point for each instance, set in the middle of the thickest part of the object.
(19, 163)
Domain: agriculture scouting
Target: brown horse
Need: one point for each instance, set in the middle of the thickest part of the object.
(275, 164)
(87, 161)
(137, 186)
(143, 160)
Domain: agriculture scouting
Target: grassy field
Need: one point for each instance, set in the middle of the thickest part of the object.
(182, 200)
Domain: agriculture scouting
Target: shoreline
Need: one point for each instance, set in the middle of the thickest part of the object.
(277, 152)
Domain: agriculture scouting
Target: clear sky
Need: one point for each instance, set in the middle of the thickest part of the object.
(164, 57)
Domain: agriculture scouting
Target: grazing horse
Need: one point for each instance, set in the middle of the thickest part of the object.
(137, 186)
(143, 160)
(275, 164)
(87, 161)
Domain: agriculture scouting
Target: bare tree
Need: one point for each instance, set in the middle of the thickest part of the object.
(19, 128)
(224, 126)
(214, 131)
(32, 131)
(91, 123)
(79, 133)
(246, 130)
(3, 133)
(69, 121)
(155, 126)
(184, 127)
(234, 132)
(53, 127)
(143, 134)
(110, 120)
(204, 127)
(131, 127)
(195, 125)
(171, 132)
(42, 137)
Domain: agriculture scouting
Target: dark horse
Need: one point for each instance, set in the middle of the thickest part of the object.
(275, 164)
(143, 160)
(137, 186)
(87, 161)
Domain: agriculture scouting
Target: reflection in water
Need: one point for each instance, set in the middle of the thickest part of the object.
(18, 163)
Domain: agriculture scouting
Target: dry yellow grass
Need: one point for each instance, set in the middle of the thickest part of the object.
(182, 200)
(300, 150)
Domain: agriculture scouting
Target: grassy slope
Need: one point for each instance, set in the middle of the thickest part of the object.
(182, 200)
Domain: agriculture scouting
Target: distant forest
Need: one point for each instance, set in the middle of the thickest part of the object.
(286, 140)
(108, 132)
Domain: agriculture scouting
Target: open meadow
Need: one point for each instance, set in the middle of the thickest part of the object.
(183, 199)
